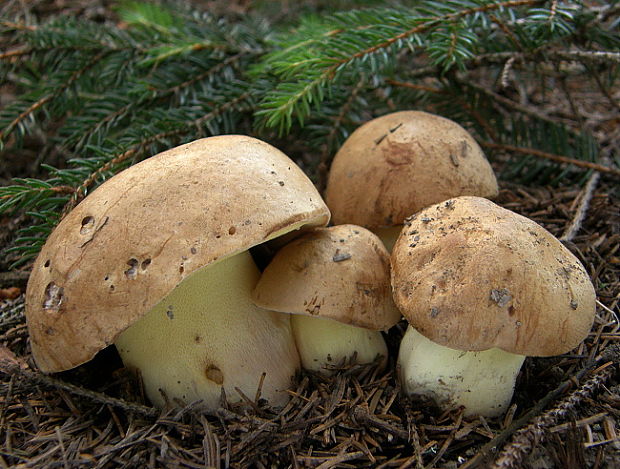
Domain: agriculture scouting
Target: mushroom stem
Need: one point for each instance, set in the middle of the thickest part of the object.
(482, 382)
(388, 235)
(207, 335)
(322, 342)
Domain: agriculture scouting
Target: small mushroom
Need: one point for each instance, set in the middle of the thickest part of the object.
(483, 287)
(399, 163)
(336, 283)
(156, 261)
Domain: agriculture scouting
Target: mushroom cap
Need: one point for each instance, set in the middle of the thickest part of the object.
(340, 273)
(132, 240)
(397, 164)
(471, 275)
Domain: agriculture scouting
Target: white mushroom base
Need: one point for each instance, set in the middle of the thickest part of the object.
(324, 342)
(482, 382)
(207, 335)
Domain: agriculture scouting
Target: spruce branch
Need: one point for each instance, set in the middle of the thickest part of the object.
(49, 97)
(79, 136)
(295, 97)
(79, 192)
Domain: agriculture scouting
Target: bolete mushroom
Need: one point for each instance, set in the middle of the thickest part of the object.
(483, 287)
(399, 163)
(156, 261)
(336, 283)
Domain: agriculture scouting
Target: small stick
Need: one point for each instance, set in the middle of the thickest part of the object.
(503, 436)
(525, 439)
(552, 157)
(580, 215)
(34, 377)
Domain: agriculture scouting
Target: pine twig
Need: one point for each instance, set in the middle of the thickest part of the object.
(17, 26)
(39, 378)
(580, 215)
(10, 54)
(54, 189)
(536, 113)
(571, 401)
(589, 55)
(553, 157)
(527, 438)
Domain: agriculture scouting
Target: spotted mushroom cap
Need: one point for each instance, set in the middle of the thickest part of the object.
(340, 273)
(132, 240)
(397, 164)
(471, 275)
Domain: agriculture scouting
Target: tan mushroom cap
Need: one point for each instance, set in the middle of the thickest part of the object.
(397, 164)
(471, 275)
(340, 273)
(130, 242)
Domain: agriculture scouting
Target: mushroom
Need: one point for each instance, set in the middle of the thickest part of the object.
(336, 283)
(483, 287)
(397, 164)
(156, 261)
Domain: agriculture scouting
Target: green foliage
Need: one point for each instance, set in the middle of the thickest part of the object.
(109, 95)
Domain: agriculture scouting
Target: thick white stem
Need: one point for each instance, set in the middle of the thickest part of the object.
(482, 382)
(323, 342)
(207, 335)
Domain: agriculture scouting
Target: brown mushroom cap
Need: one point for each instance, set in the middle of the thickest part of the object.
(471, 275)
(130, 242)
(340, 273)
(399, 163)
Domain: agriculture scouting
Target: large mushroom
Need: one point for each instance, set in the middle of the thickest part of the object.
(156, 261)
(399, 163)
(482, 287)
(336, 283)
